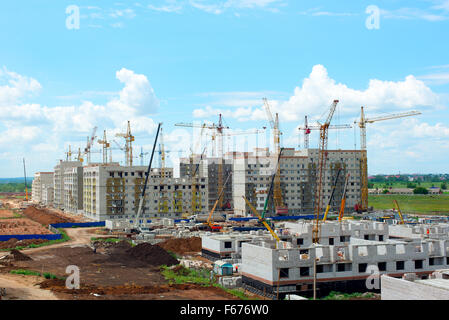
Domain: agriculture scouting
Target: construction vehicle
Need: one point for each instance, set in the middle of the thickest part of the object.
(263, 221)
(280, 207)
(25, 176)
(343, 199)
(270, 190)
(321, 172)
(208, 225)
(332, 195)
(363, 205)
(399, 212)
(141, 208)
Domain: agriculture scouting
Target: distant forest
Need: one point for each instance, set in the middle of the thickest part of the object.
(14, 187)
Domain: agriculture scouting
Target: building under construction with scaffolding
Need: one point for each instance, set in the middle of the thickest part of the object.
(253, 171)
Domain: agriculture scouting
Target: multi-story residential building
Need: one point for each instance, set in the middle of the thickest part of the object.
(73, 189)
(48, 193)
(209, 167)
(59, 186)
(111, 191)
(40, 180)
(253, 171)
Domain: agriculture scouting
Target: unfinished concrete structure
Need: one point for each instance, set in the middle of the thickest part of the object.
(253, 172)
(111, 191)
(228, 246)
(410, 287)
(41, 179)
(343, 266)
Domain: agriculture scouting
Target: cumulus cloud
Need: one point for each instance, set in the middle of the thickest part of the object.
(16, 87)
(39, 128)
(318, 90)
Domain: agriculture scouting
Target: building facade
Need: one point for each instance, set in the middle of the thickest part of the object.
(253, 172)
(58, 181)
(111, 191)
(41, 179)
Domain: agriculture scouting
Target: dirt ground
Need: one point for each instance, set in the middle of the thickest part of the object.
(4, 213)
(101, 277)
(45, 216)
(21, 226)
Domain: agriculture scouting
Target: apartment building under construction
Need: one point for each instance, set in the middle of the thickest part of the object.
(253, 172)
(111, 191)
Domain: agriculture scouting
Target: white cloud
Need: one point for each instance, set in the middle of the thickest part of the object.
(16, 87)
(35, 128)
(318, 90)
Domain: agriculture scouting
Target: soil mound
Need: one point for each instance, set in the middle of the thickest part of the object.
(12, 243)
(181, 246)
(152, 254)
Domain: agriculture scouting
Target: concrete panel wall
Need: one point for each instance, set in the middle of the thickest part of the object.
(399, 289)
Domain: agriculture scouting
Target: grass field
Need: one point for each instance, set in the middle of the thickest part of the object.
(424, 204)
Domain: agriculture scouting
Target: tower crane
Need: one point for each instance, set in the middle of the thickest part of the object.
(217, 137)
(308, 130)
(69, 154)
(90, 141)
(321, 171)
(79, 157)
(106, 146)
(129, 138)
(141, 155)
(281, 208)
(363, 205)
(163, 199)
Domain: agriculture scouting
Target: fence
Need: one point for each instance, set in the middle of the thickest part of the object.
(78, 224)
(30, 236)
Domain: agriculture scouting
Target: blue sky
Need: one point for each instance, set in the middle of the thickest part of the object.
(188, 60)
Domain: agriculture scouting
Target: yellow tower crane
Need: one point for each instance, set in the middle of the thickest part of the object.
(280, 207)
(69, 154)
(106, 146)
(363, 205)
(321, 172)
(90, 141)
(163, 199)
(129, 138)
(79, 157)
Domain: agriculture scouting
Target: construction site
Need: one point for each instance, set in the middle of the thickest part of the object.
(268, 224)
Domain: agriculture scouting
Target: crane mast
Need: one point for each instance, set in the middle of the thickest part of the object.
(277, 191)
(363, 206)
(321, 172)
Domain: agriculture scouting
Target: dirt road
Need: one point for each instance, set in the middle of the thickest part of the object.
(24, 288)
